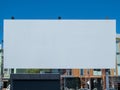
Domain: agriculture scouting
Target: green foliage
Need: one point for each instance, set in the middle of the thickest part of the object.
(32, 71)
(37, 70)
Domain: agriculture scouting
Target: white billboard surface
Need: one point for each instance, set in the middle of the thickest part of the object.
(59, 43)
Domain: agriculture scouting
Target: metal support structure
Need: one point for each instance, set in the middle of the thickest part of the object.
(0, 83)
(107, 80)
(89, 84)
(89, 80)
(64, 83)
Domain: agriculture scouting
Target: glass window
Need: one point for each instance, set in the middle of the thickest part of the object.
(118, 59)
(7, 73)
(55, 71)
(97, 72)
(81, 72)
(114, 71)
(108, 70)
(117, 47)
(119, 69)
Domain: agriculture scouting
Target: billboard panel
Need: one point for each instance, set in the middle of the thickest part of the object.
(59, 43)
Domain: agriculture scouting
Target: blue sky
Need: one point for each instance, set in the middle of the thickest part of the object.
(67, 9)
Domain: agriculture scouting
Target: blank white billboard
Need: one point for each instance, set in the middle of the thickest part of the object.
(59, 43)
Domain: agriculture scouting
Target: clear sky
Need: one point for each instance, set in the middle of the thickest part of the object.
(67, 9)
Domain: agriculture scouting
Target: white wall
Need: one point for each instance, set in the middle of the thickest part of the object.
(59, 43)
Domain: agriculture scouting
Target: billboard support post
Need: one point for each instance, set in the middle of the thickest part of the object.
(107, 80)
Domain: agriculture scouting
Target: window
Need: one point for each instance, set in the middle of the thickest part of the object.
(108, 70)
(118, 69)
(118, 59)
(81, 72)
(117, 47)
(55, 71)
(97, 72)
